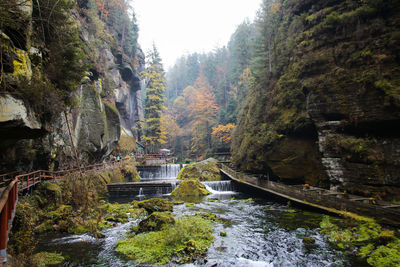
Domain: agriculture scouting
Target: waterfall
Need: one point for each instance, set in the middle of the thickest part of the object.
(220, 187)
(173, 185)
(162, 172)
(140, 192)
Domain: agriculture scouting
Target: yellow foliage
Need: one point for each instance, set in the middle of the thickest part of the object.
(22, 64)
(126, 144)
(223, 132)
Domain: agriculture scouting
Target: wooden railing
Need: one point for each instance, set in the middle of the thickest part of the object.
(152, 156)
(8, 203)
(7, 177)
(30, 179)
(11, 183)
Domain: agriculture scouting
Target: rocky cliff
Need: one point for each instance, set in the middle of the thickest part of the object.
(325, 105)
(78, 69)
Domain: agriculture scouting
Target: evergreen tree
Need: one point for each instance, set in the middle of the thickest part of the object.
(155, 133)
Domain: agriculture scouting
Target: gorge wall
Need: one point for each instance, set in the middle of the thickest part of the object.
(324, 107)
(101, 93)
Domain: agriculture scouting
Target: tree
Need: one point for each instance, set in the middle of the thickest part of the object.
(155, 133)
(223, 133)
(203, 111)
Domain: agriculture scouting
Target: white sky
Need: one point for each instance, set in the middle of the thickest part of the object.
(178, 27)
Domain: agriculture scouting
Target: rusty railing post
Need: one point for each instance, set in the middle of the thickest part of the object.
(4, 232)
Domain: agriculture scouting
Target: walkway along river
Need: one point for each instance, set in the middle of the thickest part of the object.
(259, 232)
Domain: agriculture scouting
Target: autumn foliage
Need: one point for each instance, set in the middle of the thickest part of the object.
(223, 132)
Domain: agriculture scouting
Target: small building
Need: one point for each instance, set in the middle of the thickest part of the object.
(164, 152)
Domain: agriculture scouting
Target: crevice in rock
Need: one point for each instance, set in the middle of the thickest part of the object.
(385, 129)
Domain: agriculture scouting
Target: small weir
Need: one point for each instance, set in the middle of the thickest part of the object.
(162, 172)
(157, 181)
(220, 187)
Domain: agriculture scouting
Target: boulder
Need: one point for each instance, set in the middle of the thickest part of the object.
(190, 187)
(155, 221)
(155, 204)
(17, 120)
(206, 170)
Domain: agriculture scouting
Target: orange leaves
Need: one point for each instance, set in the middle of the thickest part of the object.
(275, 8)
(197, 112)
(223, 132)
(204, 106)
(105, 7)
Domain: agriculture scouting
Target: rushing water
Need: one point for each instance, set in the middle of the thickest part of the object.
(163, 172)
(259, 232)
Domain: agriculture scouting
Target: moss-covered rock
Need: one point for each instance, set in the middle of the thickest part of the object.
(155, 221)
(308, 240)
(129, 171)
(381, 247)
(386, 256)
(155, 204)
(206, 170)
(43, 259)
(190, 187)
(48, 193)
(187, 239)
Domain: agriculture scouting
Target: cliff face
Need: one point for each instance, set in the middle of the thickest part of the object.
(327, 112)
(106, 98)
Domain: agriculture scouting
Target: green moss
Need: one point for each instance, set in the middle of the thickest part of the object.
(118, 212)
(208, 216)
(366, 236)
(359, 146)
(111, 107)
(186, 240)
(22, 64)
(48, 193)
(223, 234)
(308, 240)
(62, 212)
(47, 258)
(190, 187)
(155, 222)
(78, 230)
(386, 256)
(366, 250)
(386, 236)
(129, 171)
(155, 204)
(206, 170)
(388, 88)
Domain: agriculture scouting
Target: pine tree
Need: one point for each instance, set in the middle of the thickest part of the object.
(155, 133)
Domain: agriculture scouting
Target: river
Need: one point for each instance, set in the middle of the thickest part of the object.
(259, 232)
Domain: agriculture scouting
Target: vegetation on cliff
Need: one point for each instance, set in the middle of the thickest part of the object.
(322, 70)
(53, 52)
(37, 65)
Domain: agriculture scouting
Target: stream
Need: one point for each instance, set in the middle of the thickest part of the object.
(259, 232)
